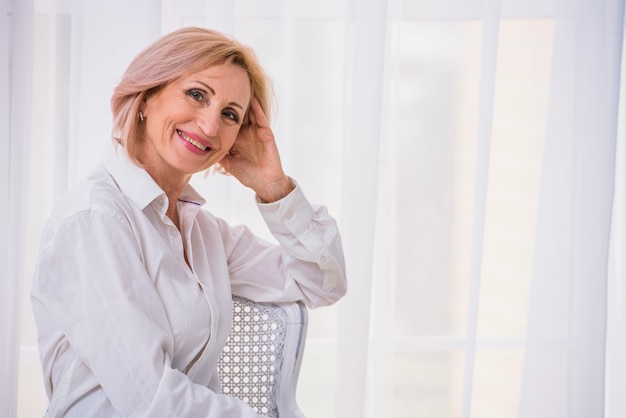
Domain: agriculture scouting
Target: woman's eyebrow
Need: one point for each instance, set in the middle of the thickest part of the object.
(209, 88)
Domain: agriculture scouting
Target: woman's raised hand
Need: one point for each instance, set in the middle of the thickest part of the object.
(254, 158)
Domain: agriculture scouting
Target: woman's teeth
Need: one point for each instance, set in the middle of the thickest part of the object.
(192, 141)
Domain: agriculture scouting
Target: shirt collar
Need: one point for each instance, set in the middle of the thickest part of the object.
(137, 184)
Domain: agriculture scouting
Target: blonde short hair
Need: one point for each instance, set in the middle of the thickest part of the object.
(185, 51)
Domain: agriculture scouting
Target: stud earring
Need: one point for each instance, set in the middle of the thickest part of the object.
(141, 116)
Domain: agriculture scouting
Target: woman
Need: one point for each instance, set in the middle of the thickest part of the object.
(132, 293)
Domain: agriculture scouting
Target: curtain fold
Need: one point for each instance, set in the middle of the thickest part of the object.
(564, 370)
(359, 183)
(394, 114)
(8, 340)
(491, 26)
(616, 297)
(16, 90)
(103, 41)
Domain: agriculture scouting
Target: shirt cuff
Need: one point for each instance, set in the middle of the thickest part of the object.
(289, 215)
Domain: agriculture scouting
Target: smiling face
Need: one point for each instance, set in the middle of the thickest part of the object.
(192, 122)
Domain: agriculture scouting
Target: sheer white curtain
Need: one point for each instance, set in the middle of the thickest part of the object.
(15, 128)
(467, 148)
(616, 288)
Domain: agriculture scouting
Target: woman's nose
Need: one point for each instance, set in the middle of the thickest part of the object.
(209, 122)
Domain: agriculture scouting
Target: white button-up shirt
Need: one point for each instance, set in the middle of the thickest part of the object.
(127, 327)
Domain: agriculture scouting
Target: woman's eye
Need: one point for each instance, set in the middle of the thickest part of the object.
(197, 95)
(232, 115)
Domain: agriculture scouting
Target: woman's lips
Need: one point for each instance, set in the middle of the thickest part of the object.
(194, 142)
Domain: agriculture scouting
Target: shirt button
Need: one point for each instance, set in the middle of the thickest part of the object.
(289, 215)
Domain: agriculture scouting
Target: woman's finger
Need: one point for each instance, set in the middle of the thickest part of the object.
(251, 113)
(259, 115)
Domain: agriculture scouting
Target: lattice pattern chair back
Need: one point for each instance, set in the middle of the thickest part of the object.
(261, 360)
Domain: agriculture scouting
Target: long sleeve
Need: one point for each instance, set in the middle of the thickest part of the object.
(308, 264)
